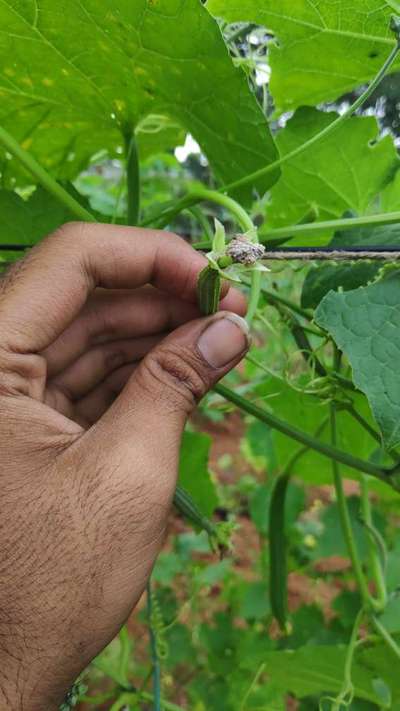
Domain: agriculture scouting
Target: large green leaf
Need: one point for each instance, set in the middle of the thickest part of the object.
(344, 172)
(324, 49)
(390, 197)
(382, 236)
(365, 324)
(75, 75)
(329, 276)
(194, 475)
(27, 221)
(313, 670)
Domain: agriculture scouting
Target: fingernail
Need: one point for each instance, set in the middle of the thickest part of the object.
(224, 340)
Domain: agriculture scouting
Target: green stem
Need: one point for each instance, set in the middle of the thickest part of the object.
(327, 131)
(99, 699)
(374, 560)
(388, 218)
(43, 178)
(129, 697)
(262, 367)
(346, 522)
(259, 671)
(254, 296)
(125, 653)
(112, 674)
(123, 700)
(154, 655)
(363, 423)
(132, 178)
(196, 195)
(167, 213)
(302, 450)
(340, 380)
(229, 203)
(304, 438)
(277, 299)
(347, 689)
(166, 705)
(387, 638)
(361, 420)
(189, 509)
(198, 214)
(302, 342)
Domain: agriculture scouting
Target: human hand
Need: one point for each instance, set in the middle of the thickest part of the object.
(98, 373)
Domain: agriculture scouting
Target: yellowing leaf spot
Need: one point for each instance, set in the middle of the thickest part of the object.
(140, 72)
(9, 72)
(27, 143)
(27, 81)
(120, 105)
(47, 82)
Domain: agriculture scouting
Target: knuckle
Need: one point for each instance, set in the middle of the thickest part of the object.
(179, 372)
(63, 238)
(70, 238)
(69, 230)
(22, 373)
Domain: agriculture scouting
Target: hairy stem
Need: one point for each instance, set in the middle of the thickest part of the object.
(43, 177)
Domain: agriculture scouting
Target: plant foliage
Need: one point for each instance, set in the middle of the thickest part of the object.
(95, 99)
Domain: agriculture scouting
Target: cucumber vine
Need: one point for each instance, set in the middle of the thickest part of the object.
(226, 261)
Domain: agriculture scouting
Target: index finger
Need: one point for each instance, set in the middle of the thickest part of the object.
(48, 289)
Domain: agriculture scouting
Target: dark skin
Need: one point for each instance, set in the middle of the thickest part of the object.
(103, 356)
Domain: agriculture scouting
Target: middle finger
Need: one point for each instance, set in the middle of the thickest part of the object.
(111, 315)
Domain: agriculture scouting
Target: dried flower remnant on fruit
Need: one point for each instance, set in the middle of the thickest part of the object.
(242, 251)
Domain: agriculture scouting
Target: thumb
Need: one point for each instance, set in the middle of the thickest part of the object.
(147, 419)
